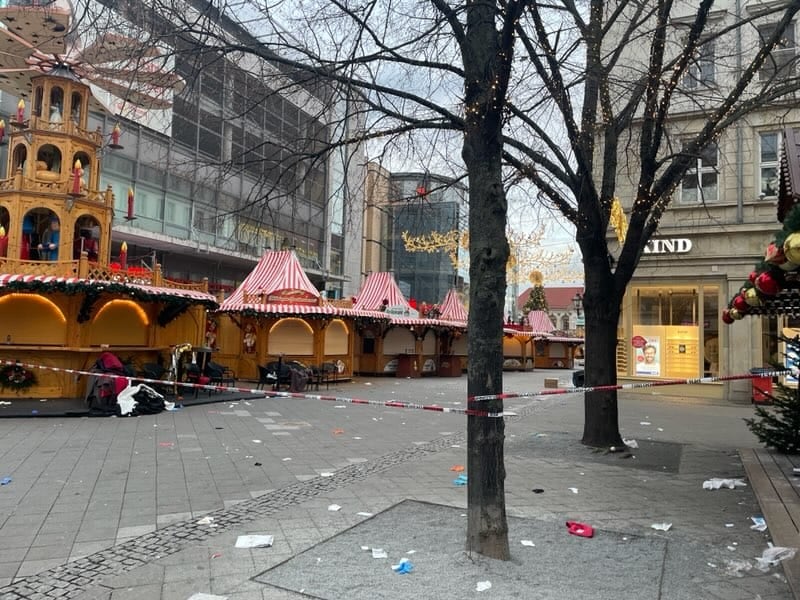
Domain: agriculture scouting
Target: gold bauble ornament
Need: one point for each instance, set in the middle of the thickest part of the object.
(751, 297)
(536, 277)
(735, 314)
(791, 247)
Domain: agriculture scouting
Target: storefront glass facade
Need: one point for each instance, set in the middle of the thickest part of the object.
(670, 331)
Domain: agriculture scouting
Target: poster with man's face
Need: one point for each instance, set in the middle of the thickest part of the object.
(648, 357)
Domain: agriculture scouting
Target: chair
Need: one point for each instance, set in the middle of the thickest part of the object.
(157, 372)
(194, 375)
(330, 373)
(220, 374)
(281, 372)
(265, 377)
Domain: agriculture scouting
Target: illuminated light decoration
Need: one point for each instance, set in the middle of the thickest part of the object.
(751, 297)
(123, 256)
(767, 284)
(128, 305)
(115, 133)
(40, 304)
(618, 221)
(77, 172)
(301, 322)
(130, 216)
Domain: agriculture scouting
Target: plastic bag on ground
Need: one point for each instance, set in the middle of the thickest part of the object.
(716, 483)
(772, 555)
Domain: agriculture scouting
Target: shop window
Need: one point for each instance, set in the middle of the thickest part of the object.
(699, 185)
(769, 149)
(37, 101)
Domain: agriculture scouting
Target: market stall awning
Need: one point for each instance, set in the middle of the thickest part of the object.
(144, 292)
(539, 321)
(451, 308)
(380, 291)
(278, 278)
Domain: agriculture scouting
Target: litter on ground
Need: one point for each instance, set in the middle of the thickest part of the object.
(716, 483)
(254, 541)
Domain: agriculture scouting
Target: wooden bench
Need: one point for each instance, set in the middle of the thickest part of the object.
(771, 477)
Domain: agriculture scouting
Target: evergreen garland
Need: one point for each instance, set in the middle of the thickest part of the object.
(778, 426)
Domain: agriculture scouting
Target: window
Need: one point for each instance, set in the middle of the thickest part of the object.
(780, 63)
(769, 148)
(700, 182)
(701, 69)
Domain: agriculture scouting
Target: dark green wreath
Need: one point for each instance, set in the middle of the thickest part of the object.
(16, 377)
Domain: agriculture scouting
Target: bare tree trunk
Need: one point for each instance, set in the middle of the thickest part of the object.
(602, 308)
(487, 527)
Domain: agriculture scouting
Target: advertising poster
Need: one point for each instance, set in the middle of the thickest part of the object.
(647, 354)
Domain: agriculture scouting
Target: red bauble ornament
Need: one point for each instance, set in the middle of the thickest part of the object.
(726, 317)
(774, 254)
(767, 284)
(740, 303)
(752, 277)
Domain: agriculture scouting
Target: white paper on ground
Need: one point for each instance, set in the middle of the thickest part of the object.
(364, 514)
(630, 443)
(254, 541)
(334, 507)
(204, 596)
(527, 542)
(206, 521)
(379, 553)
(573, 490)
(482, 586)
(661, 526)
(716, 483)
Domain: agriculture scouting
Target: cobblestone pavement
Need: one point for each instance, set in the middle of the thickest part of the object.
(108, 507)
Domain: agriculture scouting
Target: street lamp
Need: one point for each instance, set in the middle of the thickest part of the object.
(577, 302)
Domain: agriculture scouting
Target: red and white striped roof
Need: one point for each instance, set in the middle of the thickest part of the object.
(377, 288)
(452, 309)
(8, 278)
(539, 322)
(278, 270)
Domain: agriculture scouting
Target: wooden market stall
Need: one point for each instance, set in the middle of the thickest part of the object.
(534, 344)
(278, 314)
(62, 299)
(406, 344)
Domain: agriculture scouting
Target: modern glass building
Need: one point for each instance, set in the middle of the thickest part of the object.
(414, 228)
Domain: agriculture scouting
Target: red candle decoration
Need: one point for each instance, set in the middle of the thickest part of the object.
(2, 131)
(123, 256)
(130, 205)
(115, 133)
(77, 171)
(3, 241)
(21, 111)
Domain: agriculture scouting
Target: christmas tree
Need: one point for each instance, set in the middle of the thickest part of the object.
(778, 426)
(536, 298)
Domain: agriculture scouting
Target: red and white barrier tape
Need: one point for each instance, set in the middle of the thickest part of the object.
(630, 386)
(411, 405)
